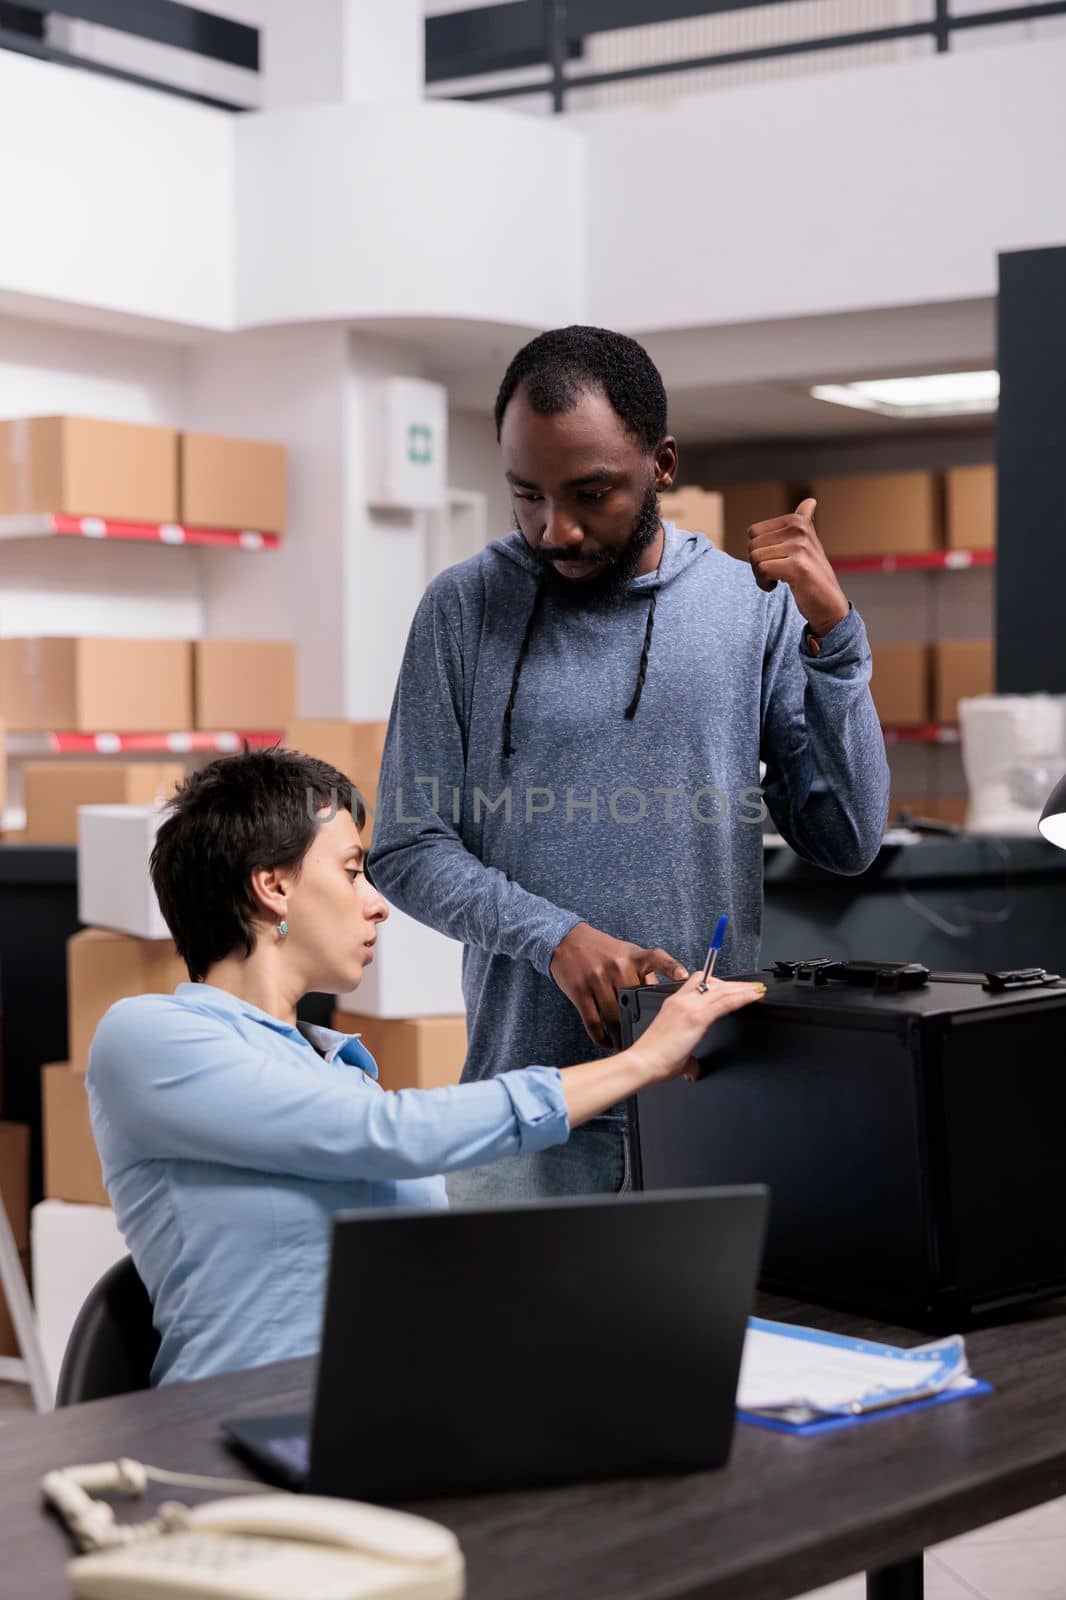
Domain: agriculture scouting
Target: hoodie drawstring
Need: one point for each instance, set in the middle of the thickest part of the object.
(508, 747)
(642, 671)
(523, 651)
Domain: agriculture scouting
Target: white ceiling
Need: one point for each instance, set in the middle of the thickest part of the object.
(743, 382)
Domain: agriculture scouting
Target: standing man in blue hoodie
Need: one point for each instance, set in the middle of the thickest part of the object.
(570, 783)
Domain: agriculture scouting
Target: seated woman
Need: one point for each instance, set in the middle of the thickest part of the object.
(230, 1133)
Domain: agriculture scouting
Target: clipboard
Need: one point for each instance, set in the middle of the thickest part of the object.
(804, 1381)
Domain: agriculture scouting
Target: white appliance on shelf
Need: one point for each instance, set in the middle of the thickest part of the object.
(72, 1246)
(114, 887)
(416, 972)
(1013, 752)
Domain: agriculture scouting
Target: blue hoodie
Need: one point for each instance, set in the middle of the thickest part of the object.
(647, 826)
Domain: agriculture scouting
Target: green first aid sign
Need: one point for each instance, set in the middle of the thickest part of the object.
(419, 444)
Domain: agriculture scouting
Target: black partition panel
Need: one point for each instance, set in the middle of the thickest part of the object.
(1031, 451)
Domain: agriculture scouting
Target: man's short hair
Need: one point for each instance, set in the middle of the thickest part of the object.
(235, 816)
(558, 367)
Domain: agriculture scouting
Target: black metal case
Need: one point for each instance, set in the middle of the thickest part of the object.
(913, 1143)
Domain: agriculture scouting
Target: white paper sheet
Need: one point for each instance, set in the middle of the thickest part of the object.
(784, 1373)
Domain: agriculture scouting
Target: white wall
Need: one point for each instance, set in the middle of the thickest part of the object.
(889, 185)
(385, 568)
(46, 368)
(113, 196)
(347, 579)
(474, 463)
(288, 385)
(885, 186)
(70, 586)
(352, 211)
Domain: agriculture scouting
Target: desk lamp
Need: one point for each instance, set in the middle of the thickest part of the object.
(1052, 822)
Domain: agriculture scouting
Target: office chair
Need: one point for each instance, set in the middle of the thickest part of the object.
(113, 1344)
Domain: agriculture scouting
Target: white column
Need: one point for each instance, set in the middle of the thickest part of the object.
(341, 50)
(384, 50)
(385, 573)
(345, 584)
(289, 385)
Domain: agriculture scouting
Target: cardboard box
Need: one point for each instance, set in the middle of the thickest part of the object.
(898, 803)
(947, 808)
(232, 483)
(114, 884)
(9, 1345)
(15, 1179)
(125, 471)
(416, 972)
(970, 508)
(103, 967)
(891, 513)
(416, 1053)
(900, 684)
(55, 789)
(961, 668)
(354, 748)
(696, 511)
(73, 1246)
(96, 685)
(934, 808)
(245, 685)
(746, 503)
(71, 1164)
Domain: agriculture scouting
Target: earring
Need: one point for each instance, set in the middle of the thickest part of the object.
(283, 928)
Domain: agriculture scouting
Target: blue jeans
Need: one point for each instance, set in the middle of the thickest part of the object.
(594, 1160)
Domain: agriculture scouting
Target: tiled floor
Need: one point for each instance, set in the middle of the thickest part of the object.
(1023, 1558)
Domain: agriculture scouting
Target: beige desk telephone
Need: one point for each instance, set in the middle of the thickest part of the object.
(255, 1546)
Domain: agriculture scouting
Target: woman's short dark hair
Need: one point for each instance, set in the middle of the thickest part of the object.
(235, 816)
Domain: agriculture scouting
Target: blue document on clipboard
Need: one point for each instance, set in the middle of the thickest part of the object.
(800, 1380)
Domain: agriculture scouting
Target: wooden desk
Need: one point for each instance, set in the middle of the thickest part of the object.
(786, 1514)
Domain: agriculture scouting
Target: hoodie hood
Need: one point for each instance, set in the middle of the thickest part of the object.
(680, 551)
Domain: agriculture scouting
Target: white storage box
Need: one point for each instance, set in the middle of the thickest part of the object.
(114, 889)
(416, 972)
(72, 1247)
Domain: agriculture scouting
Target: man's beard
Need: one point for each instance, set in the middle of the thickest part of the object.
(607, 587)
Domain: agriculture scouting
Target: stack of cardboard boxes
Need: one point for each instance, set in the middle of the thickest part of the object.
(130, 686)
(105, 473)
(874, 514)
(137, 473)
(697, 511)
(102, 967)
(15, 1193)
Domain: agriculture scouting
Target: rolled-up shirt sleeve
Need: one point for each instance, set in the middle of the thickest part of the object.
(167, 1081)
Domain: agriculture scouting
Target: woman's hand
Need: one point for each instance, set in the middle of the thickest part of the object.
(665, 1048)
(663, 1052)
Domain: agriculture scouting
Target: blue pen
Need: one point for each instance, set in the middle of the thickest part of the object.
(712, 954)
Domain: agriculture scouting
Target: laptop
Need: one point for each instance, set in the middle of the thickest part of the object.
(507, 1347)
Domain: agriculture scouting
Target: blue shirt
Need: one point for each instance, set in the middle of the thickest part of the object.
(228, 1141)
